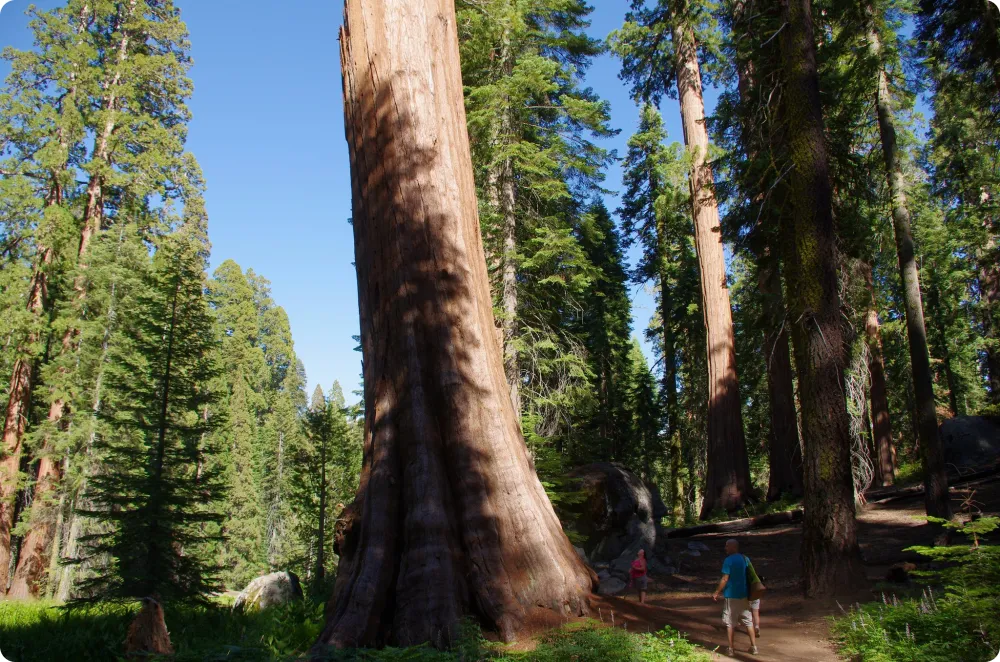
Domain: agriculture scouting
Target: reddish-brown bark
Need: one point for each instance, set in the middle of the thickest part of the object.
(727, 484)
(449, 519)
(16, 419)
(33, 561)
(37, 545)
(881, 425)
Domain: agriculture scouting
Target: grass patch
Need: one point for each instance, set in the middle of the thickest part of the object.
(909, 473)
(44, 632)
(955, 619)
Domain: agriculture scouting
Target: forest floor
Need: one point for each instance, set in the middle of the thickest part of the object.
(792, 628)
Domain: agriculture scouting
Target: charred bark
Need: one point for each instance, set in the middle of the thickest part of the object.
(831, 557)
(785, 453)
(449, 519)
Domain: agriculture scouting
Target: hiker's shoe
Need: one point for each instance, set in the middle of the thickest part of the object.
(729, 651)
(753, 650)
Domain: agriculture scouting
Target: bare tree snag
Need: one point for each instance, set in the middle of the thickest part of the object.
(936, 499)
(449, 519)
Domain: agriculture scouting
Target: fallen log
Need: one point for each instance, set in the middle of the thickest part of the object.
(883, 496)
(739, 525)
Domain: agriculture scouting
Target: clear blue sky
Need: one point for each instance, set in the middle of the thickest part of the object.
(268, 132)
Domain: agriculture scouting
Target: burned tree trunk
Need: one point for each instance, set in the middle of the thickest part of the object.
(449, 518)
(831, 557)
(785, 456)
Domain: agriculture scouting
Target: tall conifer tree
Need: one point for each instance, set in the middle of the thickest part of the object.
(158, 483)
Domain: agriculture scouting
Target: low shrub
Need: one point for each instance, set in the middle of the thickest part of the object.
(955, 619)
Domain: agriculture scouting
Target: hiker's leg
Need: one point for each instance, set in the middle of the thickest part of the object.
(753, 639)
(731, 631)
(642, 597)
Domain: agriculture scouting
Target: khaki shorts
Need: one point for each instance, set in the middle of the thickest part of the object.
(740, 608)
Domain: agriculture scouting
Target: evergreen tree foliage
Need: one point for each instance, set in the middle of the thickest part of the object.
(326, 469)
(94, 124)
(655, 217)
(606, 327)
(532, 126)
(158, 482)
(961, 43)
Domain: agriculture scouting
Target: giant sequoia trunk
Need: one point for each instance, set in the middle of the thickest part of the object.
(785, 455)
(36, 548)
(831, 558)
(16, 419)
(881, 424)
(449, 519)
(728, 481)
(33, 561)
(931, 450)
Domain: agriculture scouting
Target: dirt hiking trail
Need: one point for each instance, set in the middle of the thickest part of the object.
(792, 628)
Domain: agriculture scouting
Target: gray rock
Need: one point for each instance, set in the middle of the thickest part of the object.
(275, 589)
(583, 554)
(971, 441)
(699, 546)
(691, 552)
(603, 575)
(661, 567)
(611, 586)
(621, 566)
(618, 516)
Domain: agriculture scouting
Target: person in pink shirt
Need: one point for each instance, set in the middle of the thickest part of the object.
(637, 575)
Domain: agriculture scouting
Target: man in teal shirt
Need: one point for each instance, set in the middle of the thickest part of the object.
(734, 589)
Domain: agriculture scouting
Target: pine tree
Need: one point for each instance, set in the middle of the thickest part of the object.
(326, 468)
(654, 71)
(119, 263)
(961, 44)
(532, 125)
(655, 216)
(246, 378)
(606, 327)
(882, 56)
(158, 485)
(104, 93)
